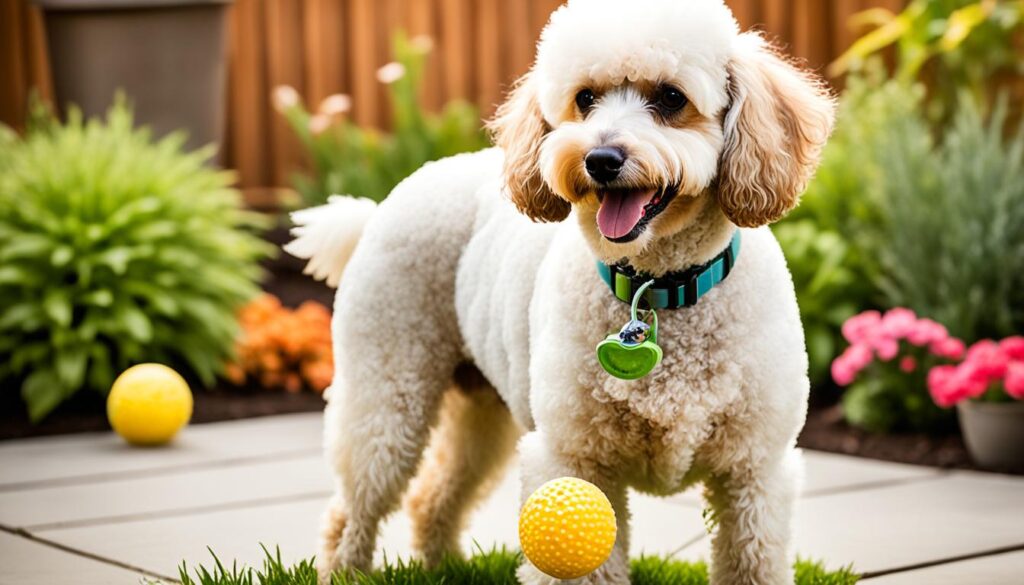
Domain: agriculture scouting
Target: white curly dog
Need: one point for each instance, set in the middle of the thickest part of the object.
(463, 329)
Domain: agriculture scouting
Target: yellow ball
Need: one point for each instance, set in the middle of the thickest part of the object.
(567, 528)
(148, 404)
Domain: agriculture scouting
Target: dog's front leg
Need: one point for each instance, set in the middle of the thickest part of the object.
(753, 509)
(541, 463)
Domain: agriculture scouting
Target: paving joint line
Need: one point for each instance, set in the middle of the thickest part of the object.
(177, 512)
(111, 476)
(876, 484)
(830, 491)
(946, 561)
(21, 533)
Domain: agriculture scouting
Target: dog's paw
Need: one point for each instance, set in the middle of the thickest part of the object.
(610, 573)
(530, 575)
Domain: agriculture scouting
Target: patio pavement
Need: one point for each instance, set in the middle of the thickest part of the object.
(87, 509)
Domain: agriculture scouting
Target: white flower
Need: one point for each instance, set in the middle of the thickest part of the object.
(285, 97)
(319, 123)
(422, 43)
(336, 104)
(391, 72)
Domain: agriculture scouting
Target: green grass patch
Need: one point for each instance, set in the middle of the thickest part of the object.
(497, 567)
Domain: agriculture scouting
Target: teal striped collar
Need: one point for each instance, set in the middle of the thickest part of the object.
(682, 288)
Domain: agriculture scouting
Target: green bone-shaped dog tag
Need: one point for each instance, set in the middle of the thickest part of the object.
(632, 352)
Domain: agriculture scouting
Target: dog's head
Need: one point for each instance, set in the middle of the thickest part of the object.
(635, 110)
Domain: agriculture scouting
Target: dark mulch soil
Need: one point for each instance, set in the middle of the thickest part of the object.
(827, 431)
(286, 280)
(86, 412)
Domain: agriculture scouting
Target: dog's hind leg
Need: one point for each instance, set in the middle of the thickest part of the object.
(469, 448)
(378, 420)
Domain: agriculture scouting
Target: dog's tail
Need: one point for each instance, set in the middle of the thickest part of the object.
(327, 235)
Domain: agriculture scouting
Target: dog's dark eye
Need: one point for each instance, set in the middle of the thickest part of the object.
(671, 99)
(585, 100)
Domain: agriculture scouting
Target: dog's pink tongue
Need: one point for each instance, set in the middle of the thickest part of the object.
(621, 210)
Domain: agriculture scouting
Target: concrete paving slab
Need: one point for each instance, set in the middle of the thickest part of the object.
(829, 472)
(23, 562)
(70, 459)
(195, 490)
(906, 524)
(161, 544)
(1004, 569)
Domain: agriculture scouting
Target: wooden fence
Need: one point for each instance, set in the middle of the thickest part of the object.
(322, 47)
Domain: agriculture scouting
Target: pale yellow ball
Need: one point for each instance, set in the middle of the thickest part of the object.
(148, 404)
(567, 528)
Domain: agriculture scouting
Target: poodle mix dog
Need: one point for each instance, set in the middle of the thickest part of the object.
(462, 329)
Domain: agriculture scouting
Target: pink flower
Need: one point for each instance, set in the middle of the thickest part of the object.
(988, 360)
(926, 331)
(950, 348)
(1013, 347)
(843, 371)
(859, 356)
(908, 364)
(941, 387)
(970, 381)
(1014, 382)
(898, 322)
(859, 327)
(886, 347)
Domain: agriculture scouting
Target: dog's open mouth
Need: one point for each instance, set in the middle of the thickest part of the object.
(624, 213)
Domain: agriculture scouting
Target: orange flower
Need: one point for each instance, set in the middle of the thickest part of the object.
(283, 348)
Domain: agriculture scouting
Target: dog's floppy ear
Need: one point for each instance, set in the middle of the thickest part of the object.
(518, 128)
(776, 126)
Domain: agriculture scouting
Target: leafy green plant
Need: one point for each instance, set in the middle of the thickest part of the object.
(115, 249)
(496, 567)
(366, 162)
(955, 45)
(950, 240)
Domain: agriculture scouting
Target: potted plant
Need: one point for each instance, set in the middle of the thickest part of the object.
(987, 388)
(169, 56)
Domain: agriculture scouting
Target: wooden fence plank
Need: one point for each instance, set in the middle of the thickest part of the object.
(488, 57)
(323, 47)
(247, 148)
(457, 46)
(362, 49)
(283, 25)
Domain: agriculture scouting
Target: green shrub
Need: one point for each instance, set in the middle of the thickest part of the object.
(950, 243)
(115, 249)
(365, 162)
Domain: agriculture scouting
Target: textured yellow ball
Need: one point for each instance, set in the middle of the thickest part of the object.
(567, 528)
(148, 404)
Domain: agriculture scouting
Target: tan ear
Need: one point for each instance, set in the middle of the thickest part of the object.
(518, 128)
(779, 120)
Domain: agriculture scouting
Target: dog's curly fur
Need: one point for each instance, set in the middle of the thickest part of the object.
(461, 325)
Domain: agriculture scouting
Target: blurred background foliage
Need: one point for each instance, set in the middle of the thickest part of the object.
(953, 46)
(366, 162)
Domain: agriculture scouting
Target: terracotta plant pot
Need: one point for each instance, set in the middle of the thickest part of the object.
(169, 56)
(994, 433)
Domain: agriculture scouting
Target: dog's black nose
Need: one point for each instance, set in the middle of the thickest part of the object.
(604, 163)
